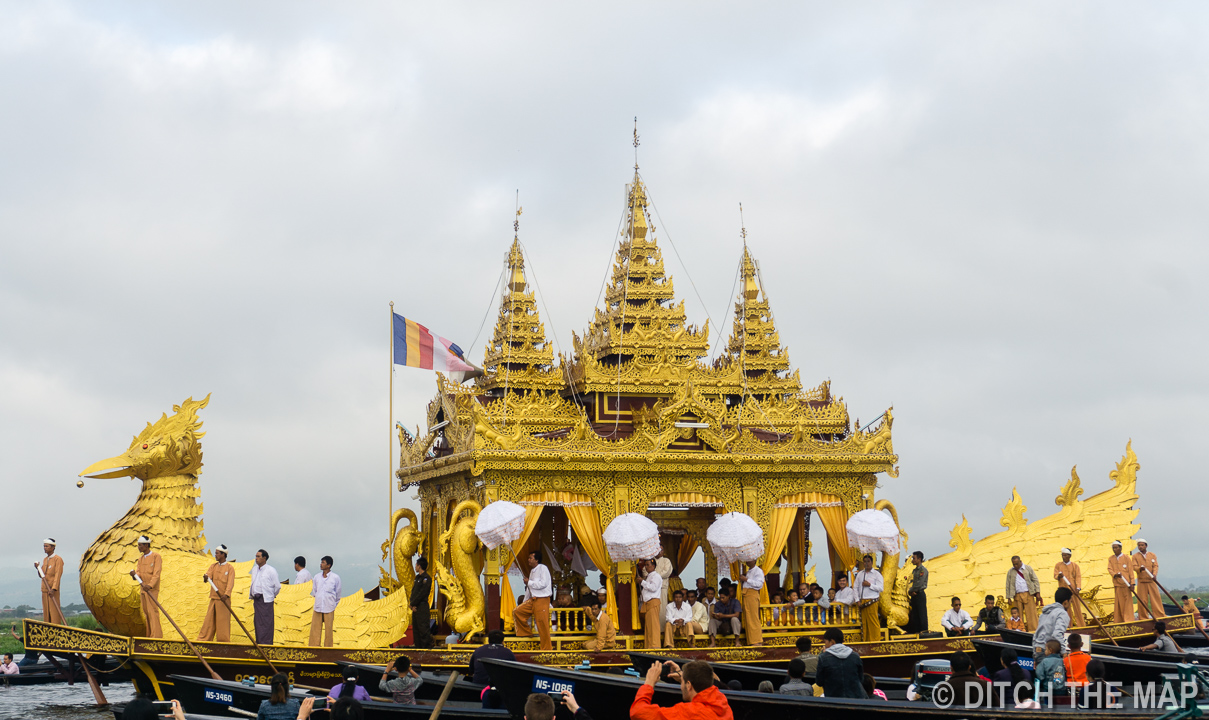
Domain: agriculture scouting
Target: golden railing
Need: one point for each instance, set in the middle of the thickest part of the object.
(773, 617)
(570, 621)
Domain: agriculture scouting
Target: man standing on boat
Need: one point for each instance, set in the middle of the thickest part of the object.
(652, 590)
(51, 570)
(221, 579)
(918, 596)
(538, 587)
(1146, 568)
(869, 586)
(421, 591)
(752, 581)
(1053, 625)
(263, 591)
(1024, 588)
(147, 573)
(301, 574)
(1121, 571)
(1070, 577)
(325, 588)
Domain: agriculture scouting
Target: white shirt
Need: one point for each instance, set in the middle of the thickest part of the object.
(651, 585)
(1021, 585)
(540, 585)
(303, 576)
(684, 612)
(264, 582)
(956, 619)
(326, 591)
(876, 585)
(755, 579)
(847, 596)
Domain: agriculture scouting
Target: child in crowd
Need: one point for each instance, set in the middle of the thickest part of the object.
(1050, 672)
(1014, 622)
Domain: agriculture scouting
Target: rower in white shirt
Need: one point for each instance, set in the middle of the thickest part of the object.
(263, 590)
(302, 575)
(957, 621)
(679, 620)
(752, 580)
(869, 586)
(652, 590)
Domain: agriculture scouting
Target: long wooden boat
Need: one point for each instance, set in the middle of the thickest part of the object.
(751, 676)
(368, 676)
(610, 696)
(1184, 639)
(1123, 670)
(152, 660)
(215, 696)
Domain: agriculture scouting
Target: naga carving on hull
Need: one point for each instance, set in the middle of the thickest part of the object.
(893, 602)
(465, 609)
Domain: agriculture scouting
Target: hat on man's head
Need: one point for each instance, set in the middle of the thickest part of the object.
(222, 549)
(144, 540)
(1117, 542)
(49, 541)
(1141, 540)
(1066, 551)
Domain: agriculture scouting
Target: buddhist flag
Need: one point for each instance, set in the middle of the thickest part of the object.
(416, 346)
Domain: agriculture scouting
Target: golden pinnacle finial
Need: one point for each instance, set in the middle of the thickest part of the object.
(751, 289)
(636, 143)
(742, 226)
(516, 224)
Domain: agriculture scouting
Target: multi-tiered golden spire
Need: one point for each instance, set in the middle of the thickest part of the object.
(755, 345)
(519, 355)
(641, 319)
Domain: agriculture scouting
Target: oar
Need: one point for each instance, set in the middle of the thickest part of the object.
(259, 649)
(436, 711)
(1156, 582)
(184, 637)
(1096, 618)
(92, 682)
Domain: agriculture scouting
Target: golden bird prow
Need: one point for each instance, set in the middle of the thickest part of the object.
(1088, 527)
(167, 458)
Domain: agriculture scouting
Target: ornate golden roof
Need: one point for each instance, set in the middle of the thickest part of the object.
(755, 346)
(519, 355)
(641, 322)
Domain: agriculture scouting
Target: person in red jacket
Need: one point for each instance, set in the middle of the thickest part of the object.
(702, 701)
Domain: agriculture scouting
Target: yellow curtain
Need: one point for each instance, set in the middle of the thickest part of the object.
(585, 521)
(779, 526)
(684, 553)
(507, 599)
(834, 517)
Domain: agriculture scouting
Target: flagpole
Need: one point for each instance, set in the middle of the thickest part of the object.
(390, 445)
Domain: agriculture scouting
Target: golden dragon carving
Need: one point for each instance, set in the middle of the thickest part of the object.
(407, 542)
(893, 602)
(465, 609)
(167, 458)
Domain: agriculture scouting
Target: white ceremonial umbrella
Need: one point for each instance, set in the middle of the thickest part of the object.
(872, 531)
(500, 523)
(632, 537)
(735, 537)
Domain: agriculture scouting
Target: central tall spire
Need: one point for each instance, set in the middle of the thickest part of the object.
(641, 317)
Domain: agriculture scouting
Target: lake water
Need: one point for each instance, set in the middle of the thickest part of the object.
(60, 701)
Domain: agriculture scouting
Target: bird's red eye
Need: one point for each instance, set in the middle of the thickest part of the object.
(144, 446)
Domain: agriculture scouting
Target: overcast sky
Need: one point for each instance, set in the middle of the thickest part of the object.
(990, 215)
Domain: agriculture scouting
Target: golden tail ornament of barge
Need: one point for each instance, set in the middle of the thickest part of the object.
(636, 420)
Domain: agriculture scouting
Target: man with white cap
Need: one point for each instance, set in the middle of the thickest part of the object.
(51, 570)
(1146, 567)
(263, 590)
(146, 573)
(1121, 572)
(221, 578)
(1069, 576)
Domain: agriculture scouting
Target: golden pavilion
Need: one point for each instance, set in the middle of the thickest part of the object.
(637, 420)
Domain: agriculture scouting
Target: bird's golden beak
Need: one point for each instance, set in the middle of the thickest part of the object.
(119, 466)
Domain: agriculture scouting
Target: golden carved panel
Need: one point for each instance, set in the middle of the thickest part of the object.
(49, 637)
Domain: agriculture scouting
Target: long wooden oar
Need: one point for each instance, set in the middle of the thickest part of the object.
(184, 637)
(259, 649)
(1156, 582)
(1096, 619)
(436, 711)
(92, 682)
